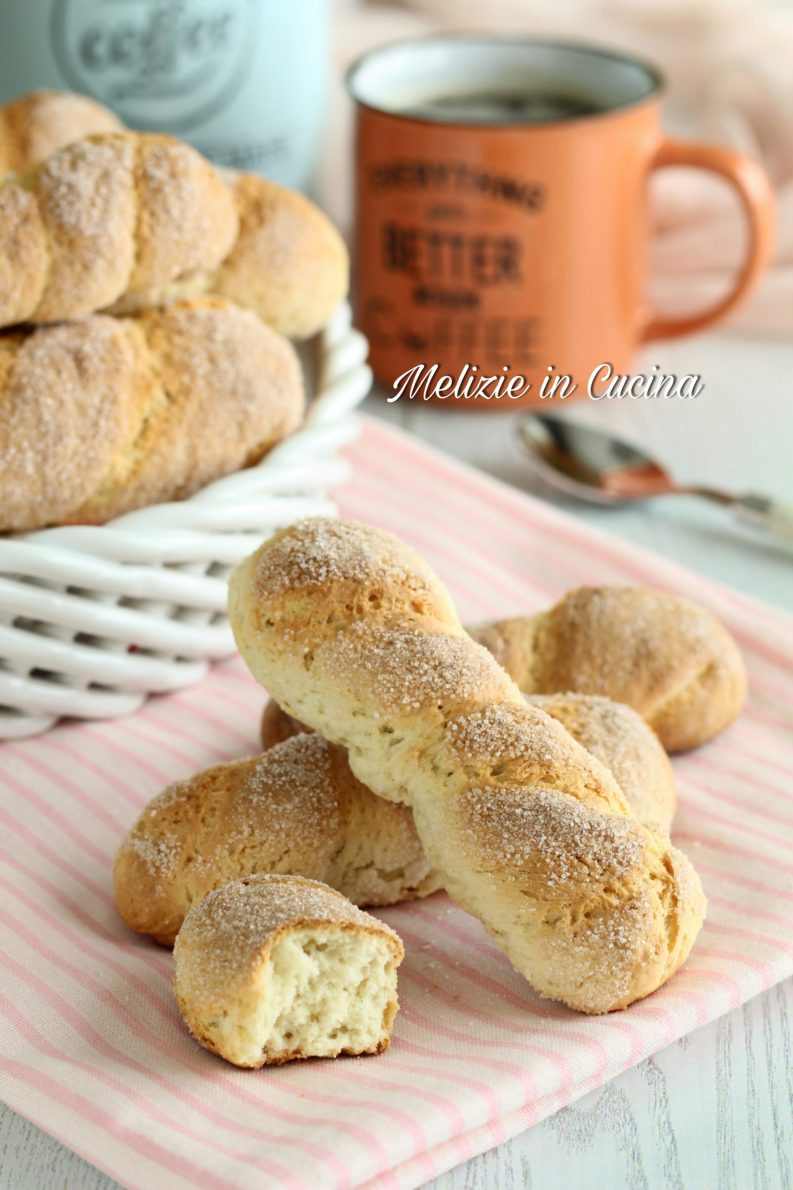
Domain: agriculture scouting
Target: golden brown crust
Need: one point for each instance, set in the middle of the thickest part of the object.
(70, 399)
(629, 748)
(669, 659)
(528, 831)
(147, 409)
(37, 124)
(207, 1042)
(511, 642)
(289, 262)
(87, 202)
(186, 219)
(295, 810)
(112, 214)
(24, 253)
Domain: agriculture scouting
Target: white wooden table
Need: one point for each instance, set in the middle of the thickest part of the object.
(715, 1110)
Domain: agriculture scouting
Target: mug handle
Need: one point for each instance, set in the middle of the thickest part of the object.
(757, 199)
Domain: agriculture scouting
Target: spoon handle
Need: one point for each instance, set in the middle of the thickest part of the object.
(766, 514)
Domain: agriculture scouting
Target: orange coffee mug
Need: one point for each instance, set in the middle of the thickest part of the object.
(502, 226)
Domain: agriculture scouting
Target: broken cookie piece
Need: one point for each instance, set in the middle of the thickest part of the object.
(271, 968)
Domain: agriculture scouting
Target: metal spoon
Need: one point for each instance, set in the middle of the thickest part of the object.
(600, 469)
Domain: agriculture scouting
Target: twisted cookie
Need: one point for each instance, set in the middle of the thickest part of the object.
(125, 221)
(355, 636)
(106, 415)
(669, 659)
(111, 215)
(610, 731)
(298, 810)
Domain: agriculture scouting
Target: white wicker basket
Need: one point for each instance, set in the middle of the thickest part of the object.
(95, 618)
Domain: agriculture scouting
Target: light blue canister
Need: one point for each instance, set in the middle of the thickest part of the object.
(242, 80)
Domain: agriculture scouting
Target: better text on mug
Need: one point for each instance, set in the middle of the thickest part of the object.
(502, 217)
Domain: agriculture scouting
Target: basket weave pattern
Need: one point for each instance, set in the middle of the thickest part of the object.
(95, 618)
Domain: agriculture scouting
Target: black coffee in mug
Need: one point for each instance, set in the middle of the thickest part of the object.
(544, 106)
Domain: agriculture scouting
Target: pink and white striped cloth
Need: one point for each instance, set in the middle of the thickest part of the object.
(92, 1048)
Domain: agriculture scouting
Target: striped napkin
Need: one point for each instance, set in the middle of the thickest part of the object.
(92, 1049)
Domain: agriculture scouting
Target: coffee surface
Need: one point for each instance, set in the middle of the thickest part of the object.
(518, 107)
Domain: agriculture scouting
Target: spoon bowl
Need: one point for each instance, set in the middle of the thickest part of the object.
(596, 467)
(590, 464)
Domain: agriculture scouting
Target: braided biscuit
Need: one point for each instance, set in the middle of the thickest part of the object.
(354, 635)
(126, 221)
(295, 809)
(273, 968)
(610, 731)
(669, 659)
(298, 809)
(106, 415)
(114, 214)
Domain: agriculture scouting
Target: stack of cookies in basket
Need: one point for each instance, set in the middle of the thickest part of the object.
(521, 766)
(147, 303)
